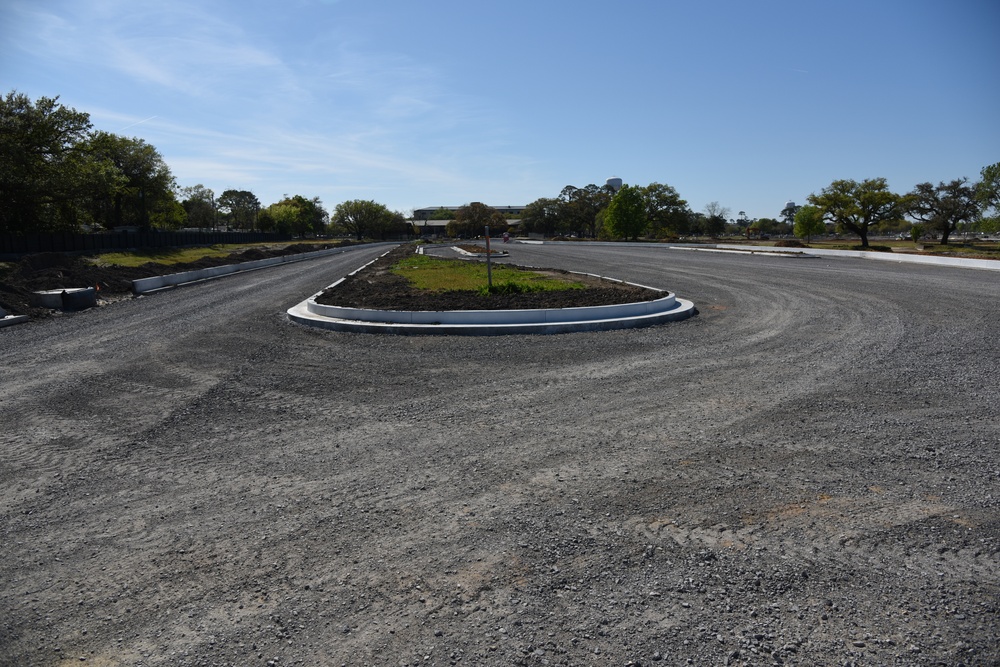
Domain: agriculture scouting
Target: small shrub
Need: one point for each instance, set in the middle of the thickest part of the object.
(790, 243)
(873, 248)
(508, 287)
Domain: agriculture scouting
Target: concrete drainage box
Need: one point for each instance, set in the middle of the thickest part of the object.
(73, 298)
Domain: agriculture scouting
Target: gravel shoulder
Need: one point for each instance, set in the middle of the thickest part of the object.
(806, 473)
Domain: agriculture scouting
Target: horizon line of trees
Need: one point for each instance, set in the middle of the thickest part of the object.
(657, 211)
(59, 174)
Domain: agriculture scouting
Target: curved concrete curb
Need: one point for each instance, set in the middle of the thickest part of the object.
(491, 322)
(495, 254)
(750, 251)
(901, 258)
(144, 285)
(898, 257)
(8, 320)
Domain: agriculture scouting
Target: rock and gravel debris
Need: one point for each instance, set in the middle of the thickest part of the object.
(807, 473)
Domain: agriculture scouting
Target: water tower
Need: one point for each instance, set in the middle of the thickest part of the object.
(614, 183)
(788, 213)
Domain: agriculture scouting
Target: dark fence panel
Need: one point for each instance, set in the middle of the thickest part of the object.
(12, 245)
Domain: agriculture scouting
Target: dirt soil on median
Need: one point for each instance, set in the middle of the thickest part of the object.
(378, 288)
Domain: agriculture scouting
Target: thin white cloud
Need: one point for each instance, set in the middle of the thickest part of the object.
(178, 46)
(227, 108)
(138, 122)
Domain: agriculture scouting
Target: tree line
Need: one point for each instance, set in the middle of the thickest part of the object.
(656, 211)
(859, 207)
(59, 174)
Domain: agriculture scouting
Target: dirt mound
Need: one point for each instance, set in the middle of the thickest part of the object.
(52, 270)
(49, 271)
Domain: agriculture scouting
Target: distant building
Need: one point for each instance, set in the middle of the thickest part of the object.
(426, 213)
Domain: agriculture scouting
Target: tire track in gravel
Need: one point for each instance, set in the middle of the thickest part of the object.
(745, 486)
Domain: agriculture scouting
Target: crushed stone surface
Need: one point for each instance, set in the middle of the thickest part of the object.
(805, 473)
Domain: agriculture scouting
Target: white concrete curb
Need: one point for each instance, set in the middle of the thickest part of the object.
(494, 254)
(144, 285)
(898, 257)
(798, 254)
(8, 320)
(491, 322)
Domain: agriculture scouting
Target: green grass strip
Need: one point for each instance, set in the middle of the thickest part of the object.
(434, 274)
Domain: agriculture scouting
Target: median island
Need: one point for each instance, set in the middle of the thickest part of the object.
(404, 280)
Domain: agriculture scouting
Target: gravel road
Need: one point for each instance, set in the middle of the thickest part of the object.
(807, 472)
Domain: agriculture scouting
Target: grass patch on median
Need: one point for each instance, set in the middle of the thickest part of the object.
(167, 256)
(439, 275)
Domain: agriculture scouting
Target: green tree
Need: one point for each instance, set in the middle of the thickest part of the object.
(579, 208)
(312, 218)
(294, 215)
(541, 217)
(240, 207)
(199, 204)
(809, 222)
(471, 220)
(988, 196)
(46, 174)
(945, 206)
(146, 186)
(442, 214)
(280, 217)
(666, 212)
(169, 215)
(362, 218)
(626, 214)
(769, 226)
(714, 222)
(789, 212)
(854, 207)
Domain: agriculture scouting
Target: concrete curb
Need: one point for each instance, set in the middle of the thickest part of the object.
(9, 320)
(493, 255)
(748, 251)
(146, 285)
(155, 283)
(899, 258)
(491, 322)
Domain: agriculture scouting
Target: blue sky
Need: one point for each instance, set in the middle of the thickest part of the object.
(445, 102)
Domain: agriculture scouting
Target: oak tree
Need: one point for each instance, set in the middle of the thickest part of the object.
(945, 206)
(857, 206)
(472, 219)
(362, 218)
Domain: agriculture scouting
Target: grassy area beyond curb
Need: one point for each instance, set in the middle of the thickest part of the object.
(171, 256)
(436, 274)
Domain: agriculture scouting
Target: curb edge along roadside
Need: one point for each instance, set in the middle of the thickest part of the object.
(490, 322)
(172, 280)
(155, 283)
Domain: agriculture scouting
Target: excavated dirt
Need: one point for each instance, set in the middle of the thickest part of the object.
(378, 288)
(53, 270)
